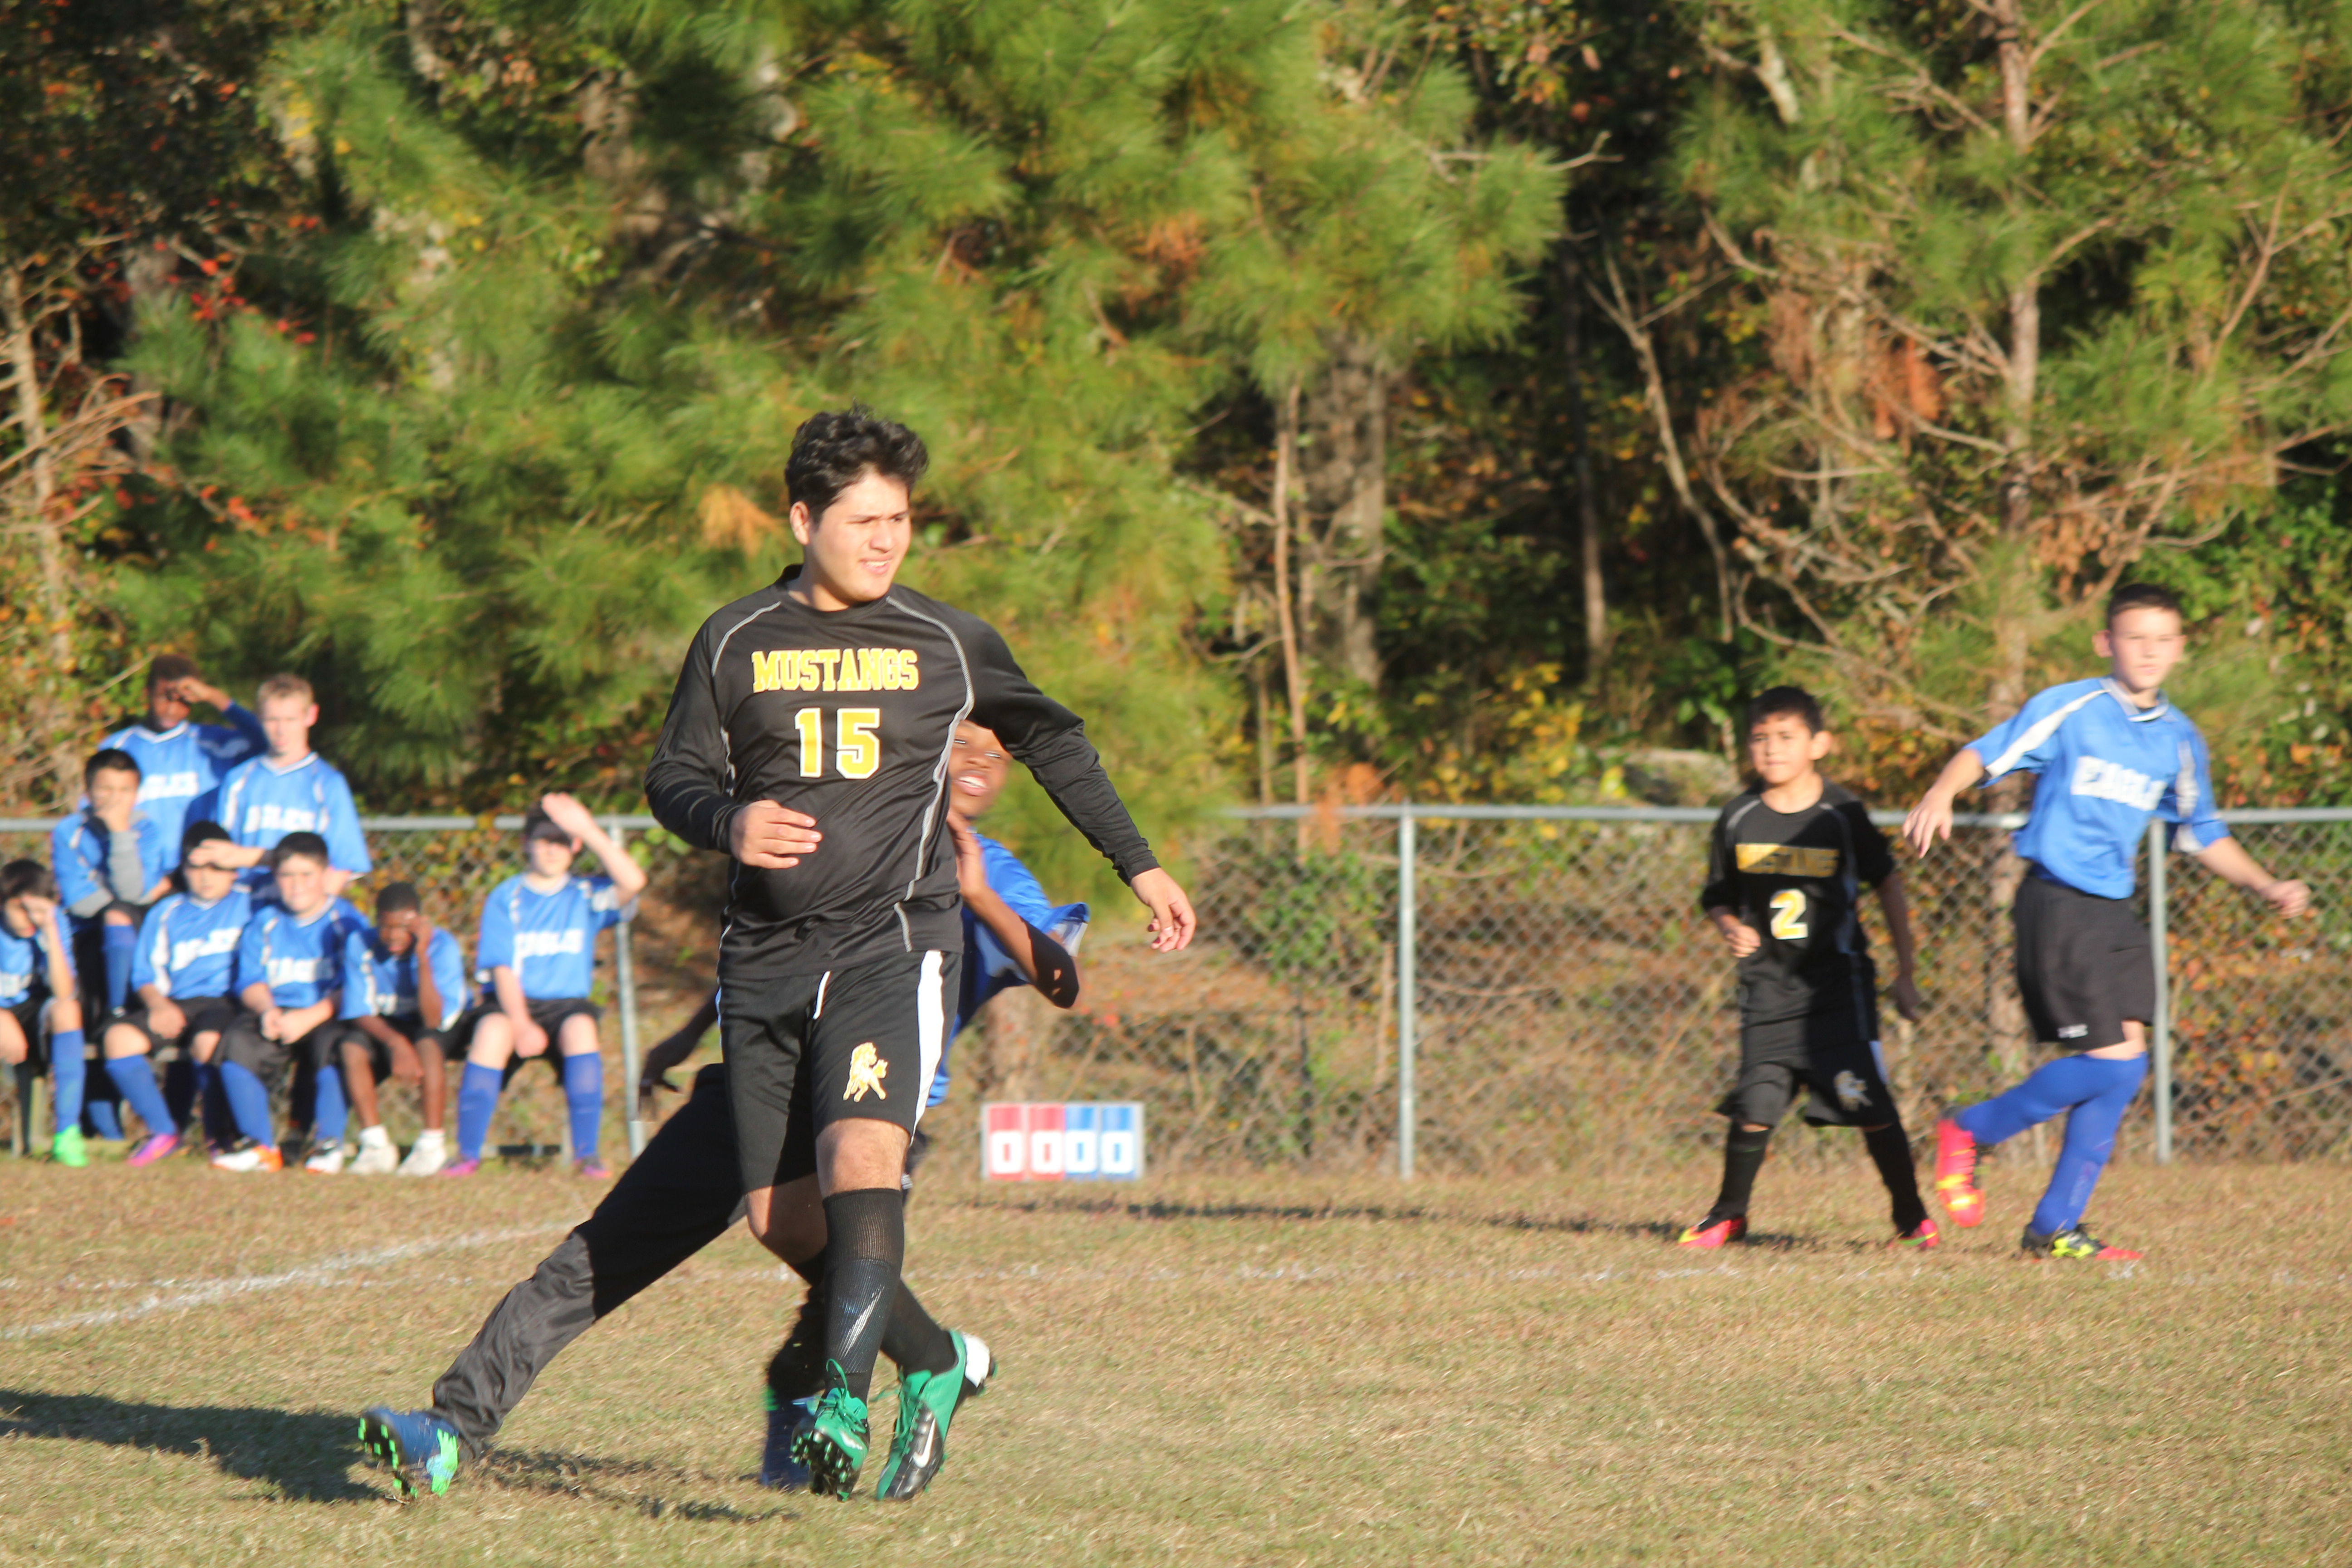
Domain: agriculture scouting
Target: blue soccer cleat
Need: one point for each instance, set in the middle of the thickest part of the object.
(420, 1448)
(779, 1468)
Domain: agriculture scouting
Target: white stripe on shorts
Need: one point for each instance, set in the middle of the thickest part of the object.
(930, 1026)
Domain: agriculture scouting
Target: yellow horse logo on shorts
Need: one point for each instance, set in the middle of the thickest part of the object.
(867, 1072)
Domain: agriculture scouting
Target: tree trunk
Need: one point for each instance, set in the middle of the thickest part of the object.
(1346, 474)
(1587, 506)
(1286, 618)
(2016, 593)
(34, 496)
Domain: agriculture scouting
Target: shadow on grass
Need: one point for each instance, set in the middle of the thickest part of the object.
(303, 1454)
(637, 1484)
(1665, 1231)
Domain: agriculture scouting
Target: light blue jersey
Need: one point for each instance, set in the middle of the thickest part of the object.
(261, 803)
(377, 984)
(24, 965)
(301, 961)
(548, 940)
(2106, 767)
(79, 846)
(187, 948)
(182, 766)
(988, 969)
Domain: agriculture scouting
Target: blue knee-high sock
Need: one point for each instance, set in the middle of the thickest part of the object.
(212, 1093)
(249, 1102)
(583, 1091)
(2090, 1140)
(477, 1101)
(135, 1076)
(103, 1116)
(2053, 1087)
(328, 1114)
(67, 1069)
(120, 943)
(181, 1078)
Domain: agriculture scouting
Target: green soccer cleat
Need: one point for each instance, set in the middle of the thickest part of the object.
(831, 1439)
(420, 1448)
(928, 1401)
(2073, 1242)
(66, 1149)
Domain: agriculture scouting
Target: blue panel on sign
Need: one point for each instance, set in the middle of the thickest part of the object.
(1081, 1148)
(1120, 1137)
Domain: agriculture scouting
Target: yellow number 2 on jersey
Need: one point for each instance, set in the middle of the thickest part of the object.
(1789, 915)
(860, 750)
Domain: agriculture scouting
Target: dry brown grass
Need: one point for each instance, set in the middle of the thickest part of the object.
(1219, 1371)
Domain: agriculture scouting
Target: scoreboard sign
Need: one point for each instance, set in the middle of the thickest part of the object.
(1061, 1141)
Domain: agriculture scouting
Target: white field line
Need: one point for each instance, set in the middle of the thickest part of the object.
(322, 1272)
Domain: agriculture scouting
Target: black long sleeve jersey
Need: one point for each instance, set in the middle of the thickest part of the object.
(849, 715)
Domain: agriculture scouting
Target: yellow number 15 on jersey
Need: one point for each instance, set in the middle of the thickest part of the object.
(858, 749)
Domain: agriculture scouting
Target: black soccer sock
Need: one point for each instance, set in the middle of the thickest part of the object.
(914, 1341)
(1743, 1156)
(797, 1369)
(866, 1246)
(1890, 1147)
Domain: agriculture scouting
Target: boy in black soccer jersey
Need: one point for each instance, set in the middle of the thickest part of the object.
(1786, 866)
(809, 738)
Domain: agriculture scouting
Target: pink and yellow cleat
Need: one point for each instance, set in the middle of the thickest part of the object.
(1955, 1174)
(1714, 1232)
(154, 1148)
(1922, 1236)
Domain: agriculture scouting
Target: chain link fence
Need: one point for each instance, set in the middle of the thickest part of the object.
(1547, 996)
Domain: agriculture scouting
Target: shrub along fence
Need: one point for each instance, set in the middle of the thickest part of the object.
(1466, 989)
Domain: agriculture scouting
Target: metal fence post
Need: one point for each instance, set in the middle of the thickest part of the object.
(624, 970)
(1408, 989)
(2158, 890)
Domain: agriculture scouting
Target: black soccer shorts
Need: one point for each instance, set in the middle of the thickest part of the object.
(204, 1015)
(805, 1051)
(378, 1054)
(27, 1014)
(1833, 1056)
(2084, 964)
(242, 1042)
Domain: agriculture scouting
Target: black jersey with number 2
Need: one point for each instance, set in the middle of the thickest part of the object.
(1796, 877)
(848, 715)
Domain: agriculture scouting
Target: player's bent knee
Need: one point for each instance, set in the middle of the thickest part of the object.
(577, 1035)
(122, 1040)
(12, 1040)
(65, 1013)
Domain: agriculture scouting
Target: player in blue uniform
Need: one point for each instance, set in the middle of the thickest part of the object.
(400, 1011)
(37, 995)
(2110, 753)
(181, 761)
(290, 789)
(534, 959)
(112, 860)
(183, 976)
(290, 977)
(684, 1192)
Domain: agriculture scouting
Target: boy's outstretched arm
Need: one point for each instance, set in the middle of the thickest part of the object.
(2228, 859)
(1897, 905)
(628, 878)
(1932, 818)
(1043, 962)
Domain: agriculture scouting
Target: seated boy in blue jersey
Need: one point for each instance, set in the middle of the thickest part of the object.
(38, 1000)
(111, 861)
(686, 1190)
(290, 789)
(534, 960)
(289, 978)
(399, 1012)
(182, 977)
(2111, 752)
(181, 761)
(1787, 865)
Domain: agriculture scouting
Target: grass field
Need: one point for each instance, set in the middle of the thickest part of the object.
(1261, 1371)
